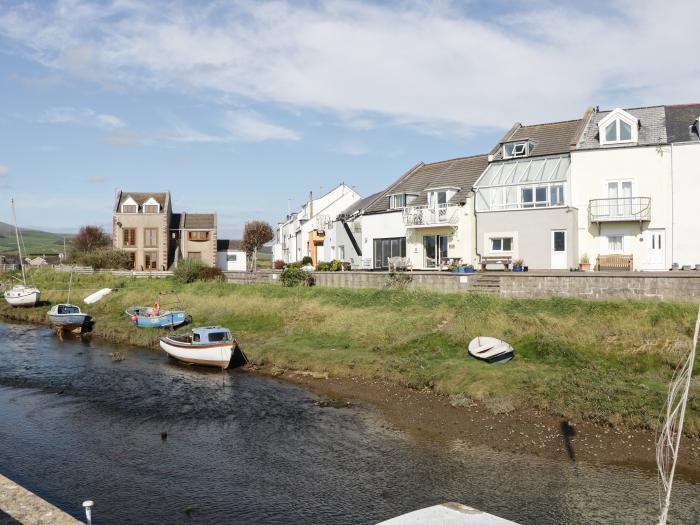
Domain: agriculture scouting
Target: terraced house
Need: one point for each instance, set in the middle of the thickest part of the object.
(144, 225)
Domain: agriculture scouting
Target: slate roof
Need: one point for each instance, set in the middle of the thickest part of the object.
(460, 173)
(652, 128)
(359, 205)
(682, 123)
(140, 197)
(197, 221)
(552, 138)
(229, 244)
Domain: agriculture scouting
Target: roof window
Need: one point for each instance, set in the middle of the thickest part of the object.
(618, 127)
(512, 150)
(130, 206)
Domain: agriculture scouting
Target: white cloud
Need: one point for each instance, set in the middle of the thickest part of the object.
(82, 117)
(248, 127)
(4, 170)
(433, 63)
(350, 147)
(97, 179)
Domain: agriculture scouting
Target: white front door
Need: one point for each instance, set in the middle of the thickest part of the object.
(655, 241)
(559, 250)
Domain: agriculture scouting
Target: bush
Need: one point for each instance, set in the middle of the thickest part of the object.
(188, 270)
(211, 273)
(295, 264)
(104, 259)
(297, 277)
(278, 264)
(323, 266)
(335, 265)
(306, 260)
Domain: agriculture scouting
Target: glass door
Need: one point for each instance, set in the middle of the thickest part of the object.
(434, 250)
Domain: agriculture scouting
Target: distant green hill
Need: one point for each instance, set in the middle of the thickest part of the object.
(36, 242)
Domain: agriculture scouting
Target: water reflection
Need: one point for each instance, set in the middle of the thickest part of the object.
(246, 449)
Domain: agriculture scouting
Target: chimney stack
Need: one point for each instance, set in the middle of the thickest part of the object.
(311, 204)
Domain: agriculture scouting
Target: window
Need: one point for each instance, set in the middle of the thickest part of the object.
(151, 208)
(618, 127)
(129, 237)
(150, 237)
(132, 259)
(385, 248)
(541, 196)
(232, 257)
(516, 149)
(150, 260)
(435, 198)
(615, 243)
(198, 236)
(556, 195)
(218, 336)
(340, 253)
(560, 241)
(501, 244)
(401, 200)
(527, 200)
(130, 208)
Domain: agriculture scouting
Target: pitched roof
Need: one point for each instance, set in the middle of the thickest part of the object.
(229, 244)
(460, 173)
(359, 205)
(652, 128)
(163, 198)
(552, 138)
(197, 221)
(682, 123)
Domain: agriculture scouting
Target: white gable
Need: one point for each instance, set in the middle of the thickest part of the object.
(618, 127)
(151, 202)
(129, 201)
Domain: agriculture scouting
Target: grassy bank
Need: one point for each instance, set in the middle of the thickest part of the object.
(603, 361)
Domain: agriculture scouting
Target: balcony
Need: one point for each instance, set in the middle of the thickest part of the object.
(430, 216)
(619, 209)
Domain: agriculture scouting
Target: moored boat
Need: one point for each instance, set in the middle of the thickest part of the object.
(153, 316)
(447, 514)
(209, 346)
(21, 295)
(67, 317)
(491, 350)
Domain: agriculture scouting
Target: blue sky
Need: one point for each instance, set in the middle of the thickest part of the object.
(236, 107)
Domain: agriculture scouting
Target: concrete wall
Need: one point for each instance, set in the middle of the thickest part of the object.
(686, 203)
(649, 169)
(663, 286)
(531, 230)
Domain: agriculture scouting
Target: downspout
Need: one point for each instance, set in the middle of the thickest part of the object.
(476, 227)
(673, 212)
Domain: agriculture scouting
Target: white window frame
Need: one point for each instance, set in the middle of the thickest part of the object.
(501, 249)
(622, 242)
(615, 117)
(130, 202)
(523, 146)
(151, 202)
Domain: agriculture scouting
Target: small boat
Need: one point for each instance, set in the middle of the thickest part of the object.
(209, 345)
(94, 297)
(491, 350)
(22, 295)
(67, 317)
(151, 316)
(447, 514)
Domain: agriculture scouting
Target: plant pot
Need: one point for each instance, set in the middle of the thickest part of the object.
(517, 268)
(469, 270)
(525, 268)
(585, 267)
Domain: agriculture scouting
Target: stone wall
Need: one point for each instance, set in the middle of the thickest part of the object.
(664, 286)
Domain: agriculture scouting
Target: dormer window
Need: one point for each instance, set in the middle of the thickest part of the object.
(151, 206)
(401, 200)
(512, 150)
(618, 127)
(130, 206)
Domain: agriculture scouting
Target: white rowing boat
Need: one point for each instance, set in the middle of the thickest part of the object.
(447, 514)
(490, 349)
(210, 346)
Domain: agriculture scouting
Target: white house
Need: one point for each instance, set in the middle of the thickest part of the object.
(303, 232)
(230, 255)
(621, 185)
(426, 215)
(523, 199)
(683, 133)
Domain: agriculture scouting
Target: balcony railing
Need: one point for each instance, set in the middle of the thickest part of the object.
(620, 209)
(417, 216)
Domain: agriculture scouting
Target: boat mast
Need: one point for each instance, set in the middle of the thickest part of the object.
(19, 249)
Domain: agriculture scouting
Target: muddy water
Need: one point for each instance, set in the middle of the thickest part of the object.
(245, 449)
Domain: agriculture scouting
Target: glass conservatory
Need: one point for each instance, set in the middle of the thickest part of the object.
(522, 184)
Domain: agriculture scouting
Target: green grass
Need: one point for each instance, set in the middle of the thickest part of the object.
(35, 242)
(608, 362)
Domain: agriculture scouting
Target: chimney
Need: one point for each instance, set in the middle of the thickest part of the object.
(311, 204)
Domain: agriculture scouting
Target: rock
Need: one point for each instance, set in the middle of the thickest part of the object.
(277, 371)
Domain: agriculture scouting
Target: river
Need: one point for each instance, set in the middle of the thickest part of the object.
(245, 449)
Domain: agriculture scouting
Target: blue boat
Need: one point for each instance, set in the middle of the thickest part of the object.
(153, 316)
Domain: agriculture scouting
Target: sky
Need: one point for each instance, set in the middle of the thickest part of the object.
(243, 107)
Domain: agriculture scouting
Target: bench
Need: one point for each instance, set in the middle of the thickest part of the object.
(505, 260)
(614, 262)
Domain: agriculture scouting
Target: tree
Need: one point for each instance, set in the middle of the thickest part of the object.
(256, 234)
(90, 238)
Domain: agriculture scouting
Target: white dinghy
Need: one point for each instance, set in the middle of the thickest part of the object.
(447, 514)
(491, 350)
(94, 297)
(209, 346)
